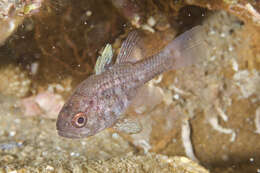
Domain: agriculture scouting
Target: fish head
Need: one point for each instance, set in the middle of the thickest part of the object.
(79, 118)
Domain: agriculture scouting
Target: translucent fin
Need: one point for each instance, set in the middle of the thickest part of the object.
(186, 48)
(104, 60)
(132, 93)
(128, 47)
(129, 126)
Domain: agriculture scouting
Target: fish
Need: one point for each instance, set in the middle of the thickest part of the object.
(100, 100)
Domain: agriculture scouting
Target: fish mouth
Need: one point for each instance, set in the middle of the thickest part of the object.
(69, 135)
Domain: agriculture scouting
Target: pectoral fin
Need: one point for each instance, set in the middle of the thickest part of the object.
(104, 60)
(129, 126)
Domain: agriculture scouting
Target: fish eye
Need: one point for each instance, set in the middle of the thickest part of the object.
(79, 120)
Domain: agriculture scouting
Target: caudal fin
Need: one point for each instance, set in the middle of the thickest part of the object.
(186, 48)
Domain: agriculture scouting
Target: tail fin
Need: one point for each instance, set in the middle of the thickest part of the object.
(186, 48)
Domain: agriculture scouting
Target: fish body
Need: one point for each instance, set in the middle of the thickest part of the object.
(100, 100)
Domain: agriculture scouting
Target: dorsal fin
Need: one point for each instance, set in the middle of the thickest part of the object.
(127, 47)
(104, 60)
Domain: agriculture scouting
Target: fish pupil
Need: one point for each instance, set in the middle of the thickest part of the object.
(80, 120)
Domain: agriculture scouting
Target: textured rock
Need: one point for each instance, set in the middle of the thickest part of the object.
(14, 81)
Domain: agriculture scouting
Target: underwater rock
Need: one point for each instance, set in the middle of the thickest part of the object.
(46, 104)
(148, 163)
(129, 163)
(12, 14)
(14, 81)
(247, 10)
(8, 27)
